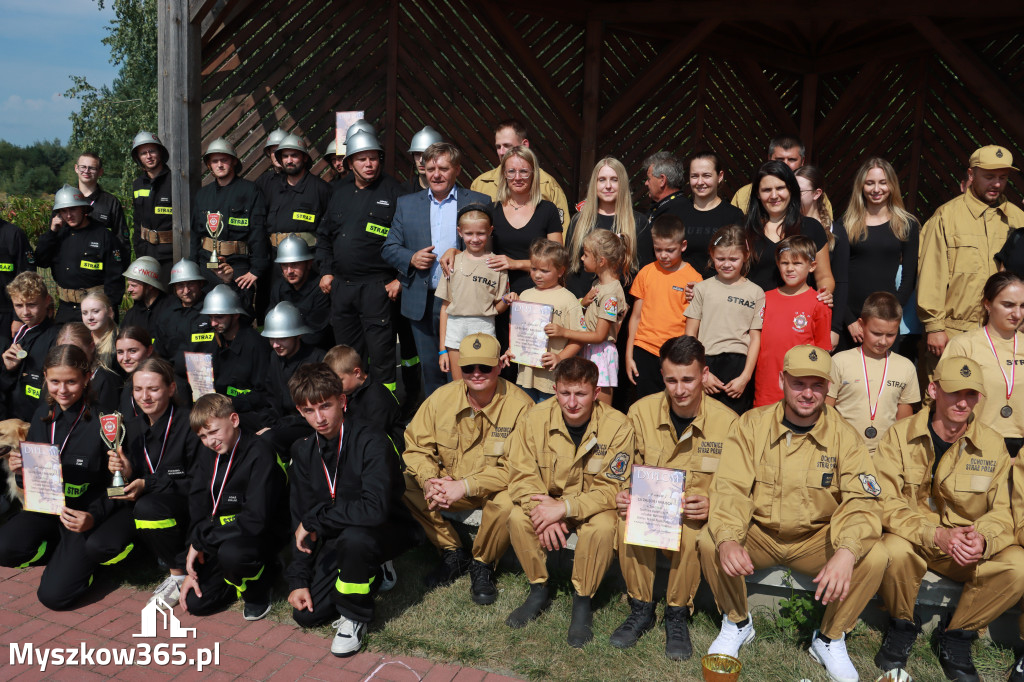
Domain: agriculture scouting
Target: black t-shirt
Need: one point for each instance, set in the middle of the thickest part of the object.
(515, 242)
(580, 282)
(1011, 256)
(940, 446)
(701, 227)
(799, 430)
(680, 423)
(763, 271)
(873, 265)
(577, 432)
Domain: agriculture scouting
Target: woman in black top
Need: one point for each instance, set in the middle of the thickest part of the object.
(774, 214)
(883, 236)
(708, 213)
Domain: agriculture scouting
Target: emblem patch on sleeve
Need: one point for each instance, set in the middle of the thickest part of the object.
(870, 484)
(617, 469)
(826, 480)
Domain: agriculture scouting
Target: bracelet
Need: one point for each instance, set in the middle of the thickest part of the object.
(443, 352)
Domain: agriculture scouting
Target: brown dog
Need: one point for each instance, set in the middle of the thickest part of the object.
(12, 432)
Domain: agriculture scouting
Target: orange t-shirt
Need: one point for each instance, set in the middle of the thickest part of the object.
(664, 297)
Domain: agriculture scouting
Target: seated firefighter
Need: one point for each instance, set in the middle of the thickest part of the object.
(455, 456)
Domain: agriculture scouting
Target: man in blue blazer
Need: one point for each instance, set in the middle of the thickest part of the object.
(424, 227)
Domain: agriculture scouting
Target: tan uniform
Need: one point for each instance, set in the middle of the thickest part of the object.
(851, 396)
(487, 183)
(543, 460)
(794, 500)
(697, 452)
(974, 345)
(970, 486)
(742, 199)
(447, 437)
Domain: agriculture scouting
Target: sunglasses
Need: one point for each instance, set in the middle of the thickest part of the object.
(473, 369)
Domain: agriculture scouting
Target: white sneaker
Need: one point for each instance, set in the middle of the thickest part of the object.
(834, 657)
(389, 577)
(348, 638)
(731, 637)
(169, 590)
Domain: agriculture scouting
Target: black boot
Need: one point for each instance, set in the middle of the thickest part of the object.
(677, 633)
(895, 649)
(482, 589)
(639, 621)
(1017, 672)
(955, 654)
(538, 600)
(580, 631)
(454, 562)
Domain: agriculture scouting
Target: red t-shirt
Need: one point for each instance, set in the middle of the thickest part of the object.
(788, 321)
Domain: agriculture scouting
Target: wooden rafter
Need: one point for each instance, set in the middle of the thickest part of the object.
(591, 101)
(766, 95)
(853, 96)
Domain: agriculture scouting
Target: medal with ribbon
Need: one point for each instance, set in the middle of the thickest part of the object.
(1006, 411)
(871, 431)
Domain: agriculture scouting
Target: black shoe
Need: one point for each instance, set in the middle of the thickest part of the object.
(955, 654)
(580, 630)
(482, 589)
(454, 562)
(639, 621)
(255, 610)
(895, 649)
(677, 633)
(538, 600)
(1017, 672)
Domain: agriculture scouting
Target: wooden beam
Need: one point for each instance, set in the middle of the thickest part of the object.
(702, 104)
(220, 18)
(526, 59)
(743, 10)
(993, 93)
(593, 39)
(910, 196)
(198, 9)
(808, 110)
(391, 92)
(179, 94)
(662, 67)
(766, 95)
(852, 96)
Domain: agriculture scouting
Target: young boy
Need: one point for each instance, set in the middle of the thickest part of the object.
(660, 291)
(366, 401)
(238, 521)
(871, 386)
(792, 315)
(346, 509)
(22, 379)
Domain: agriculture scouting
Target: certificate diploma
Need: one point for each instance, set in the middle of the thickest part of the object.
(42, 478)
(526, 339)
(655, 515)
(199, 369)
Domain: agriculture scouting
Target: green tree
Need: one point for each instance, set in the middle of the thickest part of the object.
(110, 116)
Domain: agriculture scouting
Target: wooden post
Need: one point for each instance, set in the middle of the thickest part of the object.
(180, 96)
(591, 102)
(808, 109)
(910, 195)
(391, 93)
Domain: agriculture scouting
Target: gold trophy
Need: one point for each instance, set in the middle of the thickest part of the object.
(112, 431)
(215, 226)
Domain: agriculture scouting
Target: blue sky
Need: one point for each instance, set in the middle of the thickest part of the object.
(42, 42)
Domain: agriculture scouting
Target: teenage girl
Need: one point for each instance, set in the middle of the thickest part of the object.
(98, 317)
(134, 345)
(725, 316)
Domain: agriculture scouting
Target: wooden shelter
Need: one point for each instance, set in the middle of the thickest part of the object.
(920, 82)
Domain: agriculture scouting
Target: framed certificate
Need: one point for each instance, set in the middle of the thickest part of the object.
(655, 516)
(199, 369)
(42, 477)
(526, 339)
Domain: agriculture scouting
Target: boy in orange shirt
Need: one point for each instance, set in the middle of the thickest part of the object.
(660, 291)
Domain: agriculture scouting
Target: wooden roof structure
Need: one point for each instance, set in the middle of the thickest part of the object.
(921, 83)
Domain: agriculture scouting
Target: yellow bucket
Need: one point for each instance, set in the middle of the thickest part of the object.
(720, 668)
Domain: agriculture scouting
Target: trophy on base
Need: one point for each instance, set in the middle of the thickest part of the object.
(112, 431)
(215, 226)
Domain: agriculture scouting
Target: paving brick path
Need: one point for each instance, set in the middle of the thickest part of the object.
(259, 650)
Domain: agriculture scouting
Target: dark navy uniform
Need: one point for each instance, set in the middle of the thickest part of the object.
(80, 259)
(265, 178)
(297, 208)
(285, 422)
(314, 305)
(238, 370)
(16, 256)
(153, 215)
(107, 211)
(188, 331)
(153, 318)
(23, 386)
(374, 405)
(677, 204)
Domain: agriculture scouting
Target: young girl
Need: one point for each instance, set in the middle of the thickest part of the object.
(604, 254)
(98, 317)
(731, 328)
(473, 293)
(134, 345)
(105, 383)
(548, 262)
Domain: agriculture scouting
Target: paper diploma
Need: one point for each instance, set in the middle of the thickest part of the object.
(655, 516)
(526, 339)
(42, 477)
(199, 368)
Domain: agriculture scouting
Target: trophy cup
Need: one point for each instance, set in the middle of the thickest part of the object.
(112, 432)
(214, 225)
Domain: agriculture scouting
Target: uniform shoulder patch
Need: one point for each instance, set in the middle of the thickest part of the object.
(617, 469)
(870, 484)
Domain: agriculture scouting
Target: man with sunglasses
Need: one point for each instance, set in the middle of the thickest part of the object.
(455, 458)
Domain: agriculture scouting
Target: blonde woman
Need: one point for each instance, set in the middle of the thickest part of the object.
(98, 317)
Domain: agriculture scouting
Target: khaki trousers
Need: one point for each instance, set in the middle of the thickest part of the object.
(595, 549)
(807, 555)
(990, 587)
(491, 539)
(638, 566)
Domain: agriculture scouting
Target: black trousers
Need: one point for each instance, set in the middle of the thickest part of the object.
(648, 366)
(161, 523)
(238, 568)
(361, 317)
(347, 572)
(728, 366)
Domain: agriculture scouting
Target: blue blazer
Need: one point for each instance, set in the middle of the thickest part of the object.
(410, 232)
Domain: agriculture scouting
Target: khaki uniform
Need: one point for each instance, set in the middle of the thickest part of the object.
(697, 452)
(847, 388)
(970, 486)
(447, 437)
(742, 198)
(487, 183)
(974, 345)
(543, 460)
(794, 500)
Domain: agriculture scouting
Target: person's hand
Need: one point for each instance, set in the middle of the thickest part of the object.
(970, 549)
(263, 430)
(116, 461)
(547, 512)
(14, 461)
(689, 291)
(495, 262)
(589, 298)
(735, 388)
(394, 287)
(444, 362)
(735, 559)
(834, 577)
(448, 261)
(506, 359)
(631, 371)
(190, 584)
(552, 329)
(224, 271)
(55, 223)
(245, 281)
(434, 493)
(191, 558)
(301, 534)
(424, 258)
(325, 283)
(132, 491)
(622, 503)
(550, 360)
(301, 599)
(696, 507)
(76, 521)
(10, 357)
(825, 296)
(959, 544)
(937, 342)
(452, 490)
(554, 537)
(510, 298)
(833, 337)
(713, 384)
(856, 331)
